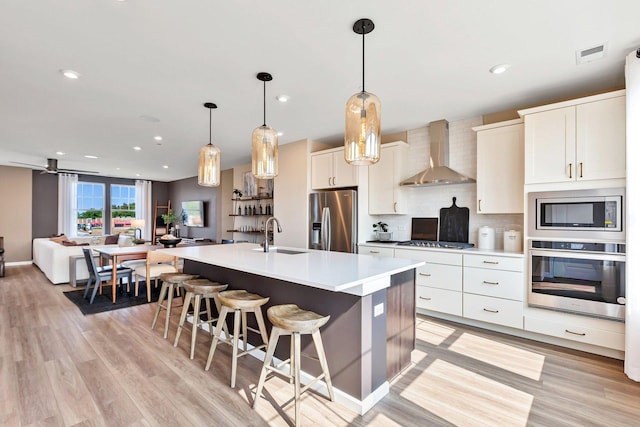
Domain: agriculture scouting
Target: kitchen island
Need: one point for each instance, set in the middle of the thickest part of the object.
(371, 301)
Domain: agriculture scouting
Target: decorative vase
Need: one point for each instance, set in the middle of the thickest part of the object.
(385, 235)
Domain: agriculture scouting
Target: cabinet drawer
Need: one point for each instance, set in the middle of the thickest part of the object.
(441, 300)
(440, 276)
(494, 283)
(576, 332)
(433, 257)
(376, 251)
(494, 262)
(493, 310)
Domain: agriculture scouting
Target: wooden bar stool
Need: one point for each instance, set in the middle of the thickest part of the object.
(170, 283)
(289, 319)
(239, 302)
(199, 289)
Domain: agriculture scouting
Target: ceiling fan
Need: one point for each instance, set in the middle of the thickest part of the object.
(52, 167)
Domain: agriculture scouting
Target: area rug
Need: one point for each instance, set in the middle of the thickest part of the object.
(103, 302)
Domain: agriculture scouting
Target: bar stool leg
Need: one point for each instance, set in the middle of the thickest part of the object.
(183, 317)
(261, 326)
(271, 348)
(296, 375)
(236, 332)
(317, 340)
(216, 336)
(207, 301)
(168, 310)
(163, 293)
(244, 330)
(196, 321)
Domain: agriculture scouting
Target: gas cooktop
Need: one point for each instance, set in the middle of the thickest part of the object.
(436, 244)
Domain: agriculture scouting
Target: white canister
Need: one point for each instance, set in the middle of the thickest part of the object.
(512, 241)
(486, 237)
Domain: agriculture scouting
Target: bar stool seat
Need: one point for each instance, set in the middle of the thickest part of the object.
(199, 289)
(289, 319)
(240, 302)
(170, 283)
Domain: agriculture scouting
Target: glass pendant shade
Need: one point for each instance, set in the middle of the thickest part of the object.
(362, 129)
(264, 153)
(209, 166)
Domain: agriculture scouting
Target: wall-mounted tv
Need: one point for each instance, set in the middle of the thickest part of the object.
(193, 213)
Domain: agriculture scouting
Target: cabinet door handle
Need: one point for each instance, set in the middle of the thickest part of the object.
(582, 334)
(425, 274)
(580, 169)
(490, 310)
(570, 170)
(374, 252)
(425, 298)
(491, 262)
(395, 206)
(329, 180)
(479, 208)
(490, 283)
(334, 180)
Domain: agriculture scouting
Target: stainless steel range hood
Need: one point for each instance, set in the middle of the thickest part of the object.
(439, 172)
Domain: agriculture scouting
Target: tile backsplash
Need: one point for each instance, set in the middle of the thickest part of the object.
(427, 201)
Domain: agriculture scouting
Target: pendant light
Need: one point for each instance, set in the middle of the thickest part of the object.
(362, 118)
(264, 147)
(209, 162)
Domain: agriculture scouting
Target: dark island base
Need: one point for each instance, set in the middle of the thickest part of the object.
(363, 351)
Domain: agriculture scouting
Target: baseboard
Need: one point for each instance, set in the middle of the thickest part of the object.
(17, 263)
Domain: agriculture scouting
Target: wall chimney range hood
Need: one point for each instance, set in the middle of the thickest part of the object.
(439, 173)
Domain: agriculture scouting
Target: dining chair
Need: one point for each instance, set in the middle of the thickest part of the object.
(98, 275)
(157, 263)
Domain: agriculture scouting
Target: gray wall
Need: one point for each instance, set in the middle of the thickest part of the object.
(188, 189)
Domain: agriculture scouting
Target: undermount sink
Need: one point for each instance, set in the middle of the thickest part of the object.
(282, 251)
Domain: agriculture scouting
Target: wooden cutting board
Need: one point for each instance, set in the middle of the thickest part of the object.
(454, 224)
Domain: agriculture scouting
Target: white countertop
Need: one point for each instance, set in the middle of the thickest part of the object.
(333, 271)
(474, 250)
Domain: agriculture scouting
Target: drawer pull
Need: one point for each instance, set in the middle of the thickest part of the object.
(582, 334)
(489, 310)
(374, 252)
(490, 262)
(490, 283)
(425, 274)
(425, 298)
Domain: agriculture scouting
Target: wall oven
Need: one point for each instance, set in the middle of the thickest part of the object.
(582, 214)
(578, 277)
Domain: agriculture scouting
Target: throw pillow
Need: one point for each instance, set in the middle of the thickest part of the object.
(69, 243)
(98, 240)
(112, 240)
(59, 239)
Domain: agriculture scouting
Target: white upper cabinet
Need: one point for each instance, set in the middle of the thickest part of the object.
(578, 140)
(500, 148)
(385, 194)
(330, 170)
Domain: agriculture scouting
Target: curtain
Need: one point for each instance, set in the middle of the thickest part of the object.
(632, 326)
(67, 204)
(143, 207)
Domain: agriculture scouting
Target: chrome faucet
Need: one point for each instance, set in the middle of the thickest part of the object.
(266, 231)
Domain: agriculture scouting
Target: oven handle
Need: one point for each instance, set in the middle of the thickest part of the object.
(559, 253)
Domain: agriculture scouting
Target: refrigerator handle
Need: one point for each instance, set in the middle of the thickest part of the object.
(326, 229)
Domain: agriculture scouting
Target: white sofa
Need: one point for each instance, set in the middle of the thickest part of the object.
(53, 258)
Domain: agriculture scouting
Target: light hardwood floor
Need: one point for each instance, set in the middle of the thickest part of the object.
(60, 368)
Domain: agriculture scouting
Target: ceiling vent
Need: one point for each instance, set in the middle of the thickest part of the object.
(591, 54)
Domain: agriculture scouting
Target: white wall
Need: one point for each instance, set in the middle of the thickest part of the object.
(427, 201)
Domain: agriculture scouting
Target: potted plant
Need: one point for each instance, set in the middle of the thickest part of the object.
(237, 194)
(382, 230)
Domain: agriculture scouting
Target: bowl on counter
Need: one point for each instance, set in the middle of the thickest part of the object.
(170, 243)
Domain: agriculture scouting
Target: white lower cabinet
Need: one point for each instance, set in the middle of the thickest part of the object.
(493, 310)
(442, 300)
(375, 250)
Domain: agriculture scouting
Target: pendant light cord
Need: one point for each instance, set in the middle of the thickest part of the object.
(264, 103)
(210, 126)
(363, 57)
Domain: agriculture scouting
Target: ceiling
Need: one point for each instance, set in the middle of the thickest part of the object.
(147, 67)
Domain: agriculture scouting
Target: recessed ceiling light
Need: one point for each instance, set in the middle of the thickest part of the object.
(157, 138)
(117, 169)
(499, 69)
(137, 148)
(60, 153)
(283, 98)
(165, 166)
(70, 74)
(280, 133)
(137, 174)
(88, 156)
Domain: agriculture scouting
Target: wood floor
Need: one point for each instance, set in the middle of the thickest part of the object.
(60, 368)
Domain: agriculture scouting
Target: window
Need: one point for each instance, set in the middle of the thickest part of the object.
(90, 208)
(123, 208)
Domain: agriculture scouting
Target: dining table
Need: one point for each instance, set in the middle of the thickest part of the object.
(114, 255)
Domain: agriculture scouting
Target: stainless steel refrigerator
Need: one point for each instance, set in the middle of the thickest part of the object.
(333, 220)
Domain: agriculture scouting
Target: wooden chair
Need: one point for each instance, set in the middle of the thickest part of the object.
(156, 264)
(98, 275)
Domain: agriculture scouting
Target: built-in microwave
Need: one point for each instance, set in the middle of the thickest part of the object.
(584, 214)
